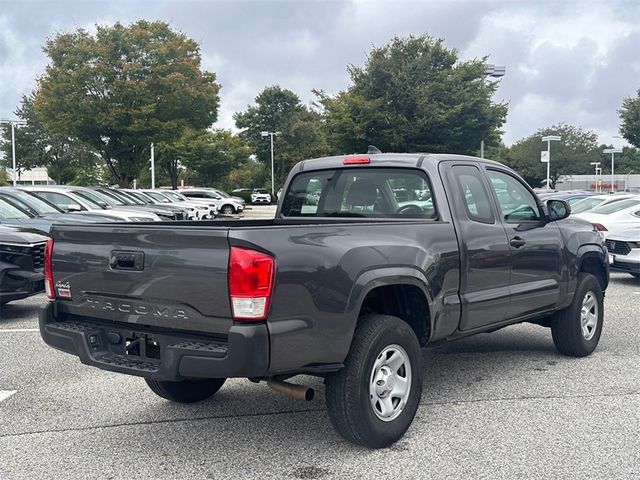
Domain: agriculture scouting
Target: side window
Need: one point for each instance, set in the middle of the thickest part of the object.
(58, 199)
(476, 198)
(193, 194)
(516, 202)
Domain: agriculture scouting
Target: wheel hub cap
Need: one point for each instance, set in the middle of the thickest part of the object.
(390, 383)
(589, 315)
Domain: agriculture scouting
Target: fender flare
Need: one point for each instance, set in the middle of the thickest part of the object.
(386, 276)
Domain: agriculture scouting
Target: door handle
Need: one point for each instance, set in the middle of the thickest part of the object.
(517, 242)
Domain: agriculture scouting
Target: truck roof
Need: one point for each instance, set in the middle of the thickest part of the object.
(384, 159)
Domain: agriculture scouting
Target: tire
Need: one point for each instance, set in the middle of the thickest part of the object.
(227, 210)
(570, 329)
(186, 391)
(350, 401)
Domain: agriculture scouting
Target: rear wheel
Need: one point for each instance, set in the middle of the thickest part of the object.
(576, 329)
(186, 391)
(373, 399)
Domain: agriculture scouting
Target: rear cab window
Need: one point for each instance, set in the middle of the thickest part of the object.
(374, 192)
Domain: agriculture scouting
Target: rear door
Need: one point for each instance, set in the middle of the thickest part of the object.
(536, 245)
(145, 274)
(485, 256)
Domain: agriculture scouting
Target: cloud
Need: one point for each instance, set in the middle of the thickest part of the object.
(566, 61)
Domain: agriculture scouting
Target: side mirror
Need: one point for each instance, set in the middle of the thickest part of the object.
(74, 207)
(558, 209)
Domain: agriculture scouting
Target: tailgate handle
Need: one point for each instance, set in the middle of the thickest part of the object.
(123, 260)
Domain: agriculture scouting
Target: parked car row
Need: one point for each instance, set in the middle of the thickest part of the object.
(28, 212)
(617, 218)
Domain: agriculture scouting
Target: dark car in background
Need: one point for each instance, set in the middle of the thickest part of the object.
(21, 262)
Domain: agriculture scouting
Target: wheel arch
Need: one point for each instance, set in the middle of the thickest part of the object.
(590, 260)
(403, 292)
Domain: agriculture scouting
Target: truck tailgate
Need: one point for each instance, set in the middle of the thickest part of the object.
(144, 274)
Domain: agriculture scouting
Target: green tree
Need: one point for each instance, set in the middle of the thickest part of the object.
(280, 110)
(630, 117)
(571, 155)
(414, 95)
(208, 157)
(63, 157)
(124, 88)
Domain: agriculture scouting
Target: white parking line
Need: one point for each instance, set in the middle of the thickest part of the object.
(4, 394)
(11, 330)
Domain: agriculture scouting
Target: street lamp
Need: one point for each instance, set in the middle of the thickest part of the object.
(271, 134)
(493, 71)
(547, 159)
(597, 165)
(612, 151)
(13, 142)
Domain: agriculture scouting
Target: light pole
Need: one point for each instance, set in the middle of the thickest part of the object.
(13, 124)
(597, 165)
(549, 139)
(612, 151)
(271, 134)
(153, 168)
(493, 71)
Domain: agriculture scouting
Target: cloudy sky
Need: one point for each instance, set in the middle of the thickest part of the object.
(567, 61)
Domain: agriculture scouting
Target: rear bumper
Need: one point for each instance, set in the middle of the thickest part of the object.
(158, 354)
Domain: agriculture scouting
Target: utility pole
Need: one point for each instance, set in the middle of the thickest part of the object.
(13, 124)
(271, 135)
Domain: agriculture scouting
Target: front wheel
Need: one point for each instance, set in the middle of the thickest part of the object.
(576, 329)
(186, 391)
(373, 399)
(227, 210)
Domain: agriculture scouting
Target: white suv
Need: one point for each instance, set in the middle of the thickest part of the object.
(226, 205)
(260, 195)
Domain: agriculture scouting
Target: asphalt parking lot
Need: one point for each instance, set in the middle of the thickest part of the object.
(500, 405)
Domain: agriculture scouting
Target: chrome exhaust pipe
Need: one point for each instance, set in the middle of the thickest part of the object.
(299, 392)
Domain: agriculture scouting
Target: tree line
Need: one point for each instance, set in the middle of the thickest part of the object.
(104, 98)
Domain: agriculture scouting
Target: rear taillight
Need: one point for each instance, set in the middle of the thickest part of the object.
(250, 283)
(48, 278)
(599, 227)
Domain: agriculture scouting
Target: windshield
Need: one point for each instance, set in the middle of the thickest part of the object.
(19, 204)
(112, 198)
(94, 200)
(175, 196)
(141, 197)
(586, 204)
(222, 194)
(614, 207)
(10, 211)
(44, 207)
(159, 197)
(128, 197)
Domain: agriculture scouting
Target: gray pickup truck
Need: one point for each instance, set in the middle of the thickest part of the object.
(369, 258)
